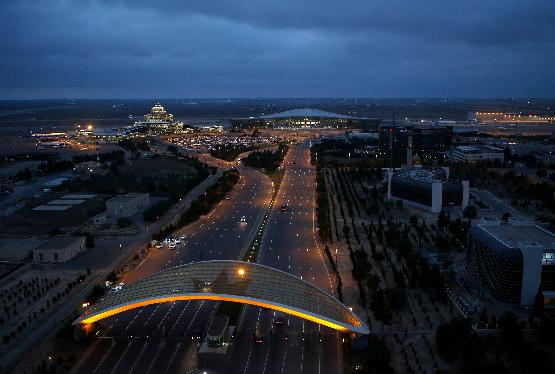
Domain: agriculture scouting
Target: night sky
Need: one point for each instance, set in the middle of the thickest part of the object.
(278, 48)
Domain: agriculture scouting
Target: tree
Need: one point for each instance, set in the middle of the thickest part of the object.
(511, 332)
(541, 173)
(441, 220)
(373, 282)
(114, 168)
(470, 212)
(396, 298)
(538, 306)
(450, 338)
(89, 240)
(379, 307)
(507, 155)
(379, 356)
(54, 232)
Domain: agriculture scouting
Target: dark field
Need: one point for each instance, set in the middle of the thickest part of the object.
(28, 222)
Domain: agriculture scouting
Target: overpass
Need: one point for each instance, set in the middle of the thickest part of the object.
(236, 281)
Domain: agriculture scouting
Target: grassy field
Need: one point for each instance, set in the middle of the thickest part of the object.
(276, 177)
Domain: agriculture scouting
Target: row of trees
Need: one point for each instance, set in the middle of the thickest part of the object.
(509, 351)
(267, 160)
(229, 152)
(55, 164)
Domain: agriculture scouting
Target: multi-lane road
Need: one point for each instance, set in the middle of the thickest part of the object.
(289, 244)
(159, 338)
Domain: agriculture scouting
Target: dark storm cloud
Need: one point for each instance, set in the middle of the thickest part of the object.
(318, 48)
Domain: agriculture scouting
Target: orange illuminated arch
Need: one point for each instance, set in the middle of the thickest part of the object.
(234, 281)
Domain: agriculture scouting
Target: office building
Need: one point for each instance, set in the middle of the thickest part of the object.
(401, 142)
(478, 152)
(427, 188)
(512, 261)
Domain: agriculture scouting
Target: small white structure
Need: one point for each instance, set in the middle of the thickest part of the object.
(59, 249)
(99, 219)
(126, 205)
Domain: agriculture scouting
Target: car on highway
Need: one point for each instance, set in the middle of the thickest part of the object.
(196, 335)
(284, 208)
(263, 330)
(118, 287)
(171, 245)
(243, 219)
(159, 245)
(183, 237)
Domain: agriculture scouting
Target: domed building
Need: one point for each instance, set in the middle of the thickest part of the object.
(159, 121)
(158, 113)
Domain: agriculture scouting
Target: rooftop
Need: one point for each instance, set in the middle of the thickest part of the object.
(59, 242)
(421, 174)
(515, 236)
(479, 148)
(122, 199)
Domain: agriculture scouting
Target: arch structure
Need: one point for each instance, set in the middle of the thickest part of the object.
(235, 281)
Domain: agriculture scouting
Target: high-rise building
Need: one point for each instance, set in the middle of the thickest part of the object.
(512, 261)
(394, 140)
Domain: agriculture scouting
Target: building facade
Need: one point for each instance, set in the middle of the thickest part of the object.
(511, 261)
(59, 249)
(126, 205)
(474, 153)
(400, 138)
(427, 188)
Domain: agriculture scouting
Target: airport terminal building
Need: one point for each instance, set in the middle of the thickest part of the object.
(512, 261)
(302, 118)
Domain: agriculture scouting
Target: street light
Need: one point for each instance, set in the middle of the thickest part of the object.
(241, 272)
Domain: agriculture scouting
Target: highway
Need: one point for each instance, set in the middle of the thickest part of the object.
(289, 244)
(158, 338)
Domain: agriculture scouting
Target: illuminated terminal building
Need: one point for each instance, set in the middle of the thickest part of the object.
(510, 117)
(512, 261)
(427, 188)
(301, 118)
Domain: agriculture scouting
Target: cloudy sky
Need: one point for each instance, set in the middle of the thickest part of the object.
(277, 48)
